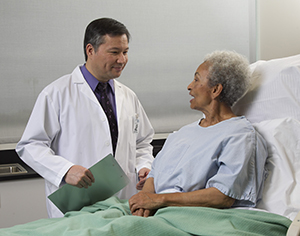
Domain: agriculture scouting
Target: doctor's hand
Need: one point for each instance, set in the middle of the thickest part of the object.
(143, 173)
(79, 176)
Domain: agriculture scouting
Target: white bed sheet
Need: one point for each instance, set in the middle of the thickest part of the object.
(282, 187)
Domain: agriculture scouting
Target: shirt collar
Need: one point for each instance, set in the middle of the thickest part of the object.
(92, 81)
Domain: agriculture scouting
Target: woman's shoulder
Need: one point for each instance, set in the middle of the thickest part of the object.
(241, 121)
(239, 124)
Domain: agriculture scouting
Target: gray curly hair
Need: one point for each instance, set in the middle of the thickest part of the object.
(231, 70)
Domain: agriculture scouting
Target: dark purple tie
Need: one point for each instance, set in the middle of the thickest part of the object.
(107, 107)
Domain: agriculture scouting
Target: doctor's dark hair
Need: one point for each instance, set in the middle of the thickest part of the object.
(97, 29)
(232, 71)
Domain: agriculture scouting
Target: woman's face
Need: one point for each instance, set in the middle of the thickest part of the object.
(199, 89)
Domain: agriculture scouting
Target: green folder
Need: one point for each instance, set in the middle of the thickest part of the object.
(109, 179)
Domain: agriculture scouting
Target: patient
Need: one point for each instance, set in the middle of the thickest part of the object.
(217, 161)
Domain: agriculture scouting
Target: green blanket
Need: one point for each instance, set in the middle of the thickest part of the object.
(112, 217)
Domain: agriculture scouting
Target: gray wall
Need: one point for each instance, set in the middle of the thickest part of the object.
(42, 40)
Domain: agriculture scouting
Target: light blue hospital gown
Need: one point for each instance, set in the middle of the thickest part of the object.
(229, 156)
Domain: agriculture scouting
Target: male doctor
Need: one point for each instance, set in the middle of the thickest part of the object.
(70, 128)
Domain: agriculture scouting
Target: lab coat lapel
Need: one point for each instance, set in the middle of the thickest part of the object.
(119, 95)
(83, 86)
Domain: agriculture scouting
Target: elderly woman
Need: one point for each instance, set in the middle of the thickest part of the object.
(217, 161)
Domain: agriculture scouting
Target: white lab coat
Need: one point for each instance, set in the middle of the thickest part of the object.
(68, 126)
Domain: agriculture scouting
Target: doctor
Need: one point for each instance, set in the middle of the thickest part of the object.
(69, 131)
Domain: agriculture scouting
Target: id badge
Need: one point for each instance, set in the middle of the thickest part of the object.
(136, 123)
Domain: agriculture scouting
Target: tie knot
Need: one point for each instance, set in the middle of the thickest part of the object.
(102, 86)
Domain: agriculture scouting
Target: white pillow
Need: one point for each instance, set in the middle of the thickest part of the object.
(275, 90)
(281, 193)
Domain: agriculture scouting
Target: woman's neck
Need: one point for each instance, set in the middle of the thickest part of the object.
(216, 114)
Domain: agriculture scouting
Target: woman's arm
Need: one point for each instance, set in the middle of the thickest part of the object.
(149, 186)
(210, 197)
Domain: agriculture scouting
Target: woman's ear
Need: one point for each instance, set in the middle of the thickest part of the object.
(216, 91)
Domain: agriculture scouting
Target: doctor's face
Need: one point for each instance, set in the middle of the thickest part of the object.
(110, 58)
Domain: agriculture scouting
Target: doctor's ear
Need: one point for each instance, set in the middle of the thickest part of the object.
(89, 50)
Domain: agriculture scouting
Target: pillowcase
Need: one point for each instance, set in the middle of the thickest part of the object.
(274, 92)
(281, 194)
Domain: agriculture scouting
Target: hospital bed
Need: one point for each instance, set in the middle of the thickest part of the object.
(272, 104)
